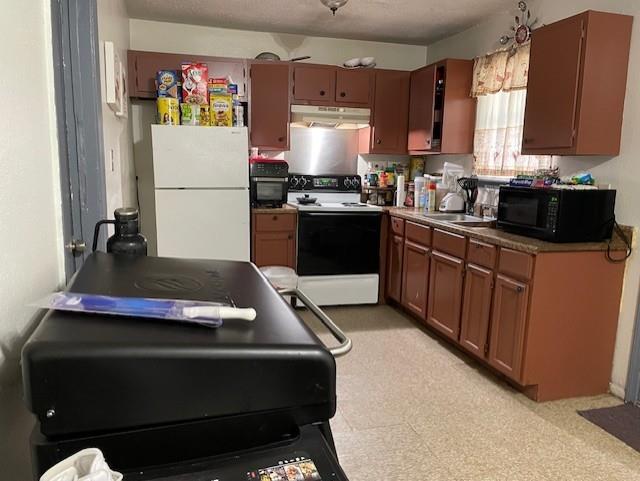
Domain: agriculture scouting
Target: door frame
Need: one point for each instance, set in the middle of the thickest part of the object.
(632, 391)
(78, 100)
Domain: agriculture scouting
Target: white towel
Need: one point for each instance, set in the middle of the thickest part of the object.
(86, 465)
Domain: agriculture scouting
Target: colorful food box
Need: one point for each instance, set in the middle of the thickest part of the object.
(221, 111)
(167, 83)
(190, 114)
(168, 111)
(194, 83)
(205, 118)
(217, 86)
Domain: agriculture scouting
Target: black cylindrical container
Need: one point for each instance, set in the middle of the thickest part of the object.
(127, 238)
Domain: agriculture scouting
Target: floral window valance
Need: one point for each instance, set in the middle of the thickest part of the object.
(503, 70)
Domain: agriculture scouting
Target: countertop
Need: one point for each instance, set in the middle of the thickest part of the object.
(508, 240)
(285, 209)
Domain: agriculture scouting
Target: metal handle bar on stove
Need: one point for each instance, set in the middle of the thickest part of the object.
(345, 343)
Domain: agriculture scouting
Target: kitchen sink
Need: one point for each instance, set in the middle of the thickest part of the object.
(460, 219)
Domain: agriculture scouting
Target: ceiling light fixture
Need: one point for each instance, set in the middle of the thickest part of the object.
(334, 5)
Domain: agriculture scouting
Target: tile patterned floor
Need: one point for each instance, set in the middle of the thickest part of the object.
(410, 407)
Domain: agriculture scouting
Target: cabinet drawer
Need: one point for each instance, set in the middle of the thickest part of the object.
(274, 222)
(481, 254)
(516, 264)
(453, 244)
(397, 226)
(417, 233)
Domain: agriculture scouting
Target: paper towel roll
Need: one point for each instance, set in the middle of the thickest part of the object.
(400, 193)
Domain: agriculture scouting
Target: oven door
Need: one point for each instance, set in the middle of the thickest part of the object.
(528, 211)
(336, 243)
(269, 190)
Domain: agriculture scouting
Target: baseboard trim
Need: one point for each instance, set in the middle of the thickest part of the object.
(617, 391)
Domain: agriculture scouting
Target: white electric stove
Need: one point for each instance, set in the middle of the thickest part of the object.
(338, 240)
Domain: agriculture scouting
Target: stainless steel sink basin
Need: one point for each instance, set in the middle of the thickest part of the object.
(454, 218)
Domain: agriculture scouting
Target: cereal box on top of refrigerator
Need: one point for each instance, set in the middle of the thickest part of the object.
(167, 83)
(168, 111)
(194, 83)
(221, 110)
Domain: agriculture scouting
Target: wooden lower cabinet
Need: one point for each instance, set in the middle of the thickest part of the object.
(415, 278)
(476, 309)
(508, 322)
(273, 242)
(445, 294)
(394, 267)
(546, 321)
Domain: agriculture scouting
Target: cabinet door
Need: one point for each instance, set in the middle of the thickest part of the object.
(421, 104)
(476, 309)
(274, 249)
(415, 278)
(390, 110)
(506, 345)
(269, 106)
(445, 294)
(552, 88)
(354, 86)
(394, 267)
(314, 84)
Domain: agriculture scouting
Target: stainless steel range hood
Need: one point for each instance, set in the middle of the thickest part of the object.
(331, 117)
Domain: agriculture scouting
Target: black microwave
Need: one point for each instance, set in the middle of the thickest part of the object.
(557, 215)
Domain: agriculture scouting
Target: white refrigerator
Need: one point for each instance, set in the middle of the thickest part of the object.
(201, 187)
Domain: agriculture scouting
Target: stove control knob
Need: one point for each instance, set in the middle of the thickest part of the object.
(347, 182)
(303, 181)
(356, 182)
(294, 181)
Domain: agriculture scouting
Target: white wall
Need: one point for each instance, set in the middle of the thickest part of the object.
(31, 262)
(113, 26)
(181, 38)
(622, 171)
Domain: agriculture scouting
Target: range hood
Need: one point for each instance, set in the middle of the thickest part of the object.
(331, 117)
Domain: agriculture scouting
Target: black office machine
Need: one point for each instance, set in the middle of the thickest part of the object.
(173, 402)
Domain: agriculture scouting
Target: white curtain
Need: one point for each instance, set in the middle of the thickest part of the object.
(498, 136)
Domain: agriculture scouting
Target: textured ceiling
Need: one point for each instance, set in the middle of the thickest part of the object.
(417, 22)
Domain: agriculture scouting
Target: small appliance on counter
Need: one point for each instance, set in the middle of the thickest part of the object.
(269, 181)
(452, 202)
(176, 402)
(557, 214)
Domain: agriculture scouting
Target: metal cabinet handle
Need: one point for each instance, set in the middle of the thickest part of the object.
(280, 139)
(519, 289)
(275, 217)
(345, 343)
(343, 94)
(322, 92)
(378, 141)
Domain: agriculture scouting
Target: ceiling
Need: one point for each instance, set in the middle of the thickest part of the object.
(418, 22)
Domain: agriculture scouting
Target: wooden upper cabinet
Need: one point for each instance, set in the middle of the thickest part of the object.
(394, 267)
(508, 323)
(575, 94)
(476, 309)
(415, 276)
(143, 67)
(388, 134)
(445, 294)
(442, 113)
(269, 105)
(314, 83)
(422, 92)
(354, 86)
